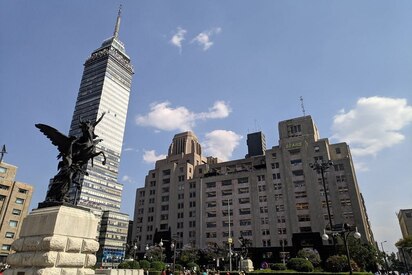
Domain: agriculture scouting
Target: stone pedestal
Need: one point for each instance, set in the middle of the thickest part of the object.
(246, 265)
(59, 240)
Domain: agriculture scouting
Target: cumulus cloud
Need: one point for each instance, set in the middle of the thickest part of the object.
(127, 178)
(164, 117)
(374, 124)
(203, 38)
(178, 38)
(150, 156)
(221, 143)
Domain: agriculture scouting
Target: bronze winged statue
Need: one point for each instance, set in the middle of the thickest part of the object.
(74, 153)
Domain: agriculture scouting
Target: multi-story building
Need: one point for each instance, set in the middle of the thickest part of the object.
(104, 89)
(15, 200)
(405, 222)
(274, 198)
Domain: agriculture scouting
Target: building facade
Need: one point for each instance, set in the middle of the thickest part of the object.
(275, 199)
(405, 222)
(15, 200)
(104, 89)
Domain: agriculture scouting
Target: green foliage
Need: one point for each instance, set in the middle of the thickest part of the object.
(188, 254)
(277, 266)
(312, 255)
(129, 265)
(406, 242)
(366, 256)
(157, 265)
(123, 265)
(192, 265)
(154, 272)
(300, 264)
(339, 263)
(178, 267)
(155, 253)
(145, 264)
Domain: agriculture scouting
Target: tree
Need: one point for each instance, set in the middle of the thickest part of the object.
(405, 247)
(155, 253)
(310, 254)
(188, 254)
(339, 263)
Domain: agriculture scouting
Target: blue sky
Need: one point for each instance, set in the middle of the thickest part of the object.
(222, 69)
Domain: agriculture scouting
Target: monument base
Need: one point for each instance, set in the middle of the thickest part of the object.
(246, 265)
(57, 240)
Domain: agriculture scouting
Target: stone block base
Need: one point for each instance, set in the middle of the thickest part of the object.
(58, 240)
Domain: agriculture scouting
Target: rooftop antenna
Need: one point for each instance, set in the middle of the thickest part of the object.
(3, 151)
(302, 105)
(116, 28)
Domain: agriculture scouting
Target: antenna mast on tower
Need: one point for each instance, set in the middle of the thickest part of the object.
(302, 105)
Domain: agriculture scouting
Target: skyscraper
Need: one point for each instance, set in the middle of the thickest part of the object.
(104, 88)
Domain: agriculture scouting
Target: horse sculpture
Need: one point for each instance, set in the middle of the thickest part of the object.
(74, 152)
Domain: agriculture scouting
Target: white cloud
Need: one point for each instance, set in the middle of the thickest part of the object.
(178, 37)
(221, 143)
(374, 124)
(150, 156)
(164, 117)
(127, 178)
(203, 38)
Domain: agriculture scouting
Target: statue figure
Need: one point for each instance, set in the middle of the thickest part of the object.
(74, 153)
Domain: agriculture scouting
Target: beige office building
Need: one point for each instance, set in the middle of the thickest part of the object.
(15, 200)
(405, 222)
(272, 197)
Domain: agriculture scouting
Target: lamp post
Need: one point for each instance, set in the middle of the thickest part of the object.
(384, 257)
(134, 251)
(229, 238)
(173, 246)
(321, 167)
(344, 233)
(161, 249)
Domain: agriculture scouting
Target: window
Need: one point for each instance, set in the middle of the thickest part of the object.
(303, 218)
(265, 232)
(316, 148)
(181, 178)
(226, 182)
(244, 200)
(243, 180)
(295, 161)
(294, 130)
(211, 184)
(278, 197)
(23, 191)
(337, 150)
(262, 188)
(6, 247)
(211, 214)
(226, 192)
(166, 172)
(264, 220)
(165, 198)
(261, 178)
(165, 189)
(16, 211)
(281, 231)
(150, 218)
(192, 195)
(211, 235)
(180, 215)
(180, 205)
(339, 167)
(341, 178)
(243, 190)
(211, 204)
(345, 202)
(300, 194)
(281, 219)
(275, 165)
(210, 224)
(263, 209)
(297, 173)
(244, 211)
(294, 152)
(9, 235)
(299, 183)
(277, 186)
(163, 226)
(19, 201)
(263, 199)
(180, 196)
(165, 207)
(192, 223)
(279, 208)
(245, 222)
(4, 187)
(166, 181)
(211, 194)
(192, 204)
(276, 176)
(152, 183)
(13, 223)
(302, 205)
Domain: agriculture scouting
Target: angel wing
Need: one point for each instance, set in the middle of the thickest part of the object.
(58, 139)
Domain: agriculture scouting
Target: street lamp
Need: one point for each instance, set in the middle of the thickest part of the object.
(229, 238)
(134, 251)
(173, 246)
(384, 256)
(344, 233)
(161, 250)
(321, 167)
